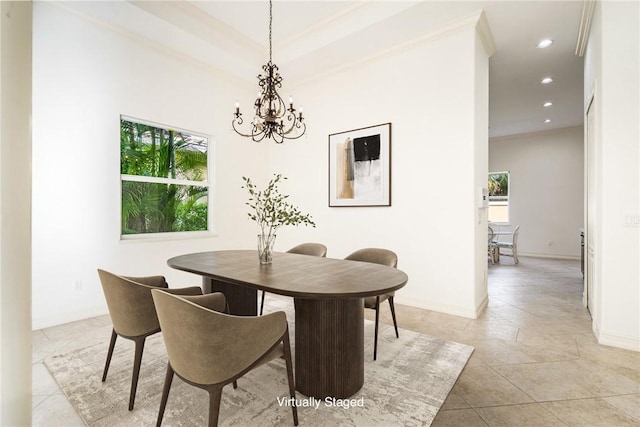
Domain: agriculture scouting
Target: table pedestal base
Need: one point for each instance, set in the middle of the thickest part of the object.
(243, 301)
(329, 347)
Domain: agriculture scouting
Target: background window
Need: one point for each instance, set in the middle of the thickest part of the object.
(498, 197)
(164, 179)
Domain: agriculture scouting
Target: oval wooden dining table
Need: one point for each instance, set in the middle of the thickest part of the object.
(329, 307)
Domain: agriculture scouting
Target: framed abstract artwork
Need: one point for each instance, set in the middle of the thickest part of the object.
(360, 167)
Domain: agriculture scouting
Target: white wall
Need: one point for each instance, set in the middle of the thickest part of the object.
(612, 67)
(480, 167)
(85, 76)
(15, 203)
(438, 108)
(546, 188)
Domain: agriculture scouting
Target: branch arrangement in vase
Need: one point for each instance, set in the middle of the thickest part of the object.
(271, 209)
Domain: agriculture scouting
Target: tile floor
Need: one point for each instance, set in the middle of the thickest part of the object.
(536, 361)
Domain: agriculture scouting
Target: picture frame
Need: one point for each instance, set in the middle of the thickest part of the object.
(360, 167)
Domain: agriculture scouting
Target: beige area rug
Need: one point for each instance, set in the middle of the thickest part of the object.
(406, 386)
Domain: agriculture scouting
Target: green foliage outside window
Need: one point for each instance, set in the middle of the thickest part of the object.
(164, 179)
(498, 185)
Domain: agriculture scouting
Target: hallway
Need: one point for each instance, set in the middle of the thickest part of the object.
(536, 361)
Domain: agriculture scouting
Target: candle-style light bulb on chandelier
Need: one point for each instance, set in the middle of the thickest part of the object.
(272, 118)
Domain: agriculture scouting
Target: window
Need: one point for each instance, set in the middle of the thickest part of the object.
(164, 179)
(499, 197)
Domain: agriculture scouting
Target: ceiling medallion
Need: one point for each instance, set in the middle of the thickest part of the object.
(272, 118)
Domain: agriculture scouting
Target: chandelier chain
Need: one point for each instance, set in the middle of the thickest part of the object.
(270, 25)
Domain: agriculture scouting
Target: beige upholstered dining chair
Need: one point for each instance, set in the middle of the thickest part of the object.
(209, 350)
(133, 314)
(313, 249)
(384, 257)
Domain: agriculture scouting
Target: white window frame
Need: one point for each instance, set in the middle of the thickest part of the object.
(169, 235)
(502, 202)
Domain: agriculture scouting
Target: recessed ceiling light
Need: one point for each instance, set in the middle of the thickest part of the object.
(544, 43)
(547, 104)
(546, 80)
(547, 120)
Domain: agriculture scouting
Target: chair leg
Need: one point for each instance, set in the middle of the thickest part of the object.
(262, 303)
(136, 370)
(515, 254)
(215, 394)
(112, 345)
(168, 379)
(375, 337)
(393, 315)
(292, 385)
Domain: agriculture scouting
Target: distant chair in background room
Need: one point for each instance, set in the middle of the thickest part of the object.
(312, 249)
(133, 314)
(384, 257)
(491, 246)
(509, 245)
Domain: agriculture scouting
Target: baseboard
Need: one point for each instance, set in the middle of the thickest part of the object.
(482, 306)
(469, 313)
(618, 341)
(60, 319)
(550, 256)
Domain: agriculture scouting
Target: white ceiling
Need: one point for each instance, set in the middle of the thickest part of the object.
(311, 38)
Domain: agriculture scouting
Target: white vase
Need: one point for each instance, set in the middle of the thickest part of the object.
(265, 248)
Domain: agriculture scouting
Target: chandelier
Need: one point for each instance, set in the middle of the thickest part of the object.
(272, 117)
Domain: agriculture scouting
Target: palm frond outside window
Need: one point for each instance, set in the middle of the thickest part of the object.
(164, 179)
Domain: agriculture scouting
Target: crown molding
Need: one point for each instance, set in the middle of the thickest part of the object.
(327, 22)
(526, 135)
(474, 20)
(484, 32)
(141, 40)
(588, 6)
(188, 18)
